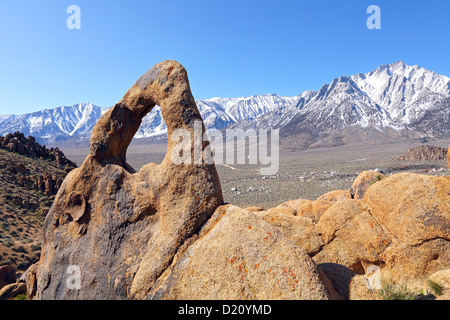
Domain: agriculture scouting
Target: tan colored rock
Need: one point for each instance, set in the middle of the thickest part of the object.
(314, 209)
(58, 161)
(350, 285)
(283, 210)
(120, 227)
(414, 208)
(254, 208)
(423, 152)
(442, 278)
(335, 196)
(359, 239)
(363, 181)
(40, 183)
(411, 264)
(337, 216)
(242, 257)
(301, 230)
(48, 183)
(339, 276)
(401, 225)
(358, 289)
(12, 290)
(29, 277)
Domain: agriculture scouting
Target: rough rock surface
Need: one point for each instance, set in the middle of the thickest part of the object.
(253, 209)
(314, 209)
(415, 215)
(242, 257)
(294, 204)
(300, 230)
(402, 225)
(399, 225)
(335, 196)
(16, 142)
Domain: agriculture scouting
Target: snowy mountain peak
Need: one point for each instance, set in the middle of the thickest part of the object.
(395, 95)
(55, 124)
(395, 98)
(397, 86)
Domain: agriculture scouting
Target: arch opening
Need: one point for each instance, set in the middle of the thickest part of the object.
(149, 144)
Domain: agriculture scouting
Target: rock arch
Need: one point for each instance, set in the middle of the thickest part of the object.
(120, 227)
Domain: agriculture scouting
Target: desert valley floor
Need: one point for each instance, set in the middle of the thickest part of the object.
(303, 174)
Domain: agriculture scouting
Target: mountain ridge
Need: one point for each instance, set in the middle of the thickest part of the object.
(409, 100)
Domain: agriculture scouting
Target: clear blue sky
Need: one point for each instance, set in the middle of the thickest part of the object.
(230, 48)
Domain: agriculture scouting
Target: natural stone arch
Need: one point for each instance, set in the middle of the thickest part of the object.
(166, 85)
(120, 227)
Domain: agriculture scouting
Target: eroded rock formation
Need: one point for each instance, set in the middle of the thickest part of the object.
(424, 153)
(398, 224)
(17, 142)
(120, 227)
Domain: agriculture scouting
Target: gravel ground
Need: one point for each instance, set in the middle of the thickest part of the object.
(311, 173)
(303, 174)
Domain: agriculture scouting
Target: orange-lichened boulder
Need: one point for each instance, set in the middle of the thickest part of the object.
(239, 256)
(397, 225)
(402, 225)
(301, 230)
(414, 211)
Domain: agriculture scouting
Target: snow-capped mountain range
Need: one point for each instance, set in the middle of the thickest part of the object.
(406, 100)
(395, 99)
(77, 121)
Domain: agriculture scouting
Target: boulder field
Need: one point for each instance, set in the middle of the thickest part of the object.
(165, 233)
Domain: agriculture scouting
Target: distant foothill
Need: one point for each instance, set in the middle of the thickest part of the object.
(424, 152)
(27, 146)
